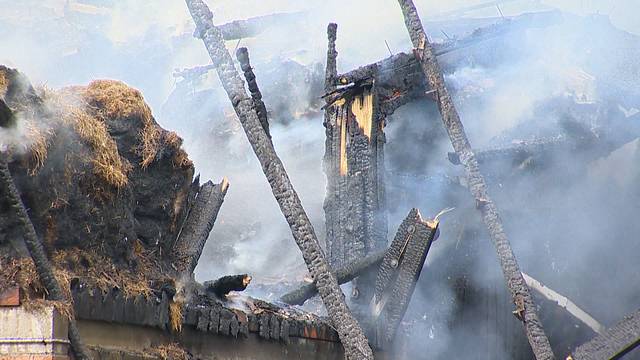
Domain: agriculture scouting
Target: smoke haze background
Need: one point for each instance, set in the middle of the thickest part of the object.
(574, 233)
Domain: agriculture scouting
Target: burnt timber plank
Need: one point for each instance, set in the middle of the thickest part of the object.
(613, 343)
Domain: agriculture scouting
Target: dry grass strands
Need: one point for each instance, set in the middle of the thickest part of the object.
(175, 315)
(170, 352)
(181, 158)
(4, 83)
(101, 272)
(116, 100)
(106, 161)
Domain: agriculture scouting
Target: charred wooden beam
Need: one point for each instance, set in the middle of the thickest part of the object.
(398, 275)
(38, 255)
(195, 231)
(343, 274)
(224, 285)
(525, 307)
(351, 334)
(243, 58)
(239, 29)
(517, 152)
(613, 343)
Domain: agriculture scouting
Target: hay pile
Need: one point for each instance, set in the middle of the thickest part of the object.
(104, 183)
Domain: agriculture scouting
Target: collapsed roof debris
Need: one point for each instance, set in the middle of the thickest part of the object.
(115, 223)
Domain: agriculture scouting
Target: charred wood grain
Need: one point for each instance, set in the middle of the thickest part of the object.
(614, 342)
(261, 110)
(224, 285)
(515, 282)
(195, 232)
(36, 250)
(351, 335)
(398, 275)
(343, 274)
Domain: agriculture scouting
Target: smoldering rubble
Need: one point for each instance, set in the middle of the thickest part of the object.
(371, 162)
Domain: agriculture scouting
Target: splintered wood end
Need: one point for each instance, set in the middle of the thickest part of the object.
(224, 184)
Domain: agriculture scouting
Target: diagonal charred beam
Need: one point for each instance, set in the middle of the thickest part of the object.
(343, 274)
(350, 332)
(197, 227)
(613, 343)
(398, 275)
(243, 58)
(526, 309)
(239, 29)
(40, 260)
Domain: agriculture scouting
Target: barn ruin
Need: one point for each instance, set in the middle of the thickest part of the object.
(104, 220)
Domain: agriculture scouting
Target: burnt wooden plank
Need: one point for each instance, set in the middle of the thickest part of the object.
(614, 342)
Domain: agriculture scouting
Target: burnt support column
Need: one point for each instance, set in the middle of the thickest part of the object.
(525, 307)
(355, 209)
(355, 343)
(194, 234)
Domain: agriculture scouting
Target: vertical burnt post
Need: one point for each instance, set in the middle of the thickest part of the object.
(355, 211)
(525, 307)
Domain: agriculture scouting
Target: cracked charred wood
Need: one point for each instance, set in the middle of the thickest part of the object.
(517, 152)
(243, 58)
(398, 275)
(38, 255)
(195, 231)
(350, 332)
(525, 307)
(613, 343)
(343, 274)
(224, 285)
(239, 29)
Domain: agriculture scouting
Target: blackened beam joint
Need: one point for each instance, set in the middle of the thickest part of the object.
(613, 343)
(198, 224)
(261, 110)
(343, 274)
(398, 275)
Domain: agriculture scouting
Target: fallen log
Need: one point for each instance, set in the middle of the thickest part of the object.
(38, 255)
(224, 285)
(525, 307)
(261, 110)
(194, 234)
(613, 343)
(343, 274)
(350, 332)
(398, 275)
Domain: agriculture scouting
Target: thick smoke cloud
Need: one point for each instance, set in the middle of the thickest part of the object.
(572, 225)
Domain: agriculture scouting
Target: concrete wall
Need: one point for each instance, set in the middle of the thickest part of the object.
(34, 335)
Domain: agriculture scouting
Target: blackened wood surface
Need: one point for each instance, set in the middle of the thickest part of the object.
(198, 225)
(398, 275)
(614, 342)
(352, 337)
(515, 282)
(343, 274)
